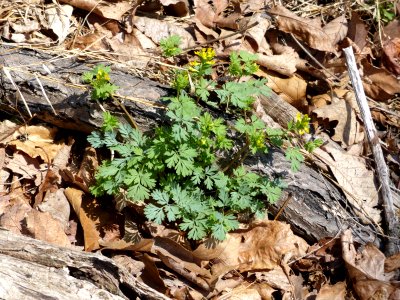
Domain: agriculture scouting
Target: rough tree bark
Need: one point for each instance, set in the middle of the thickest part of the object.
(316, 209)
(32, 269)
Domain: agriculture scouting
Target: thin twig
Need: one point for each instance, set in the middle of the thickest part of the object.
(134, 124)
(290, 196)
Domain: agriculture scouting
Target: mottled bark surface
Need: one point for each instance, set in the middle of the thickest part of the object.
(32, 269)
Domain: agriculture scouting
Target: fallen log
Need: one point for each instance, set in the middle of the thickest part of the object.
(317, 209)
(33, 269)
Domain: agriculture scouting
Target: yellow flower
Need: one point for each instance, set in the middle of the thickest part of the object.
(206, 55)
(302, 123)
(194, 63)
(102, 75)
(260, 142)
(299, 117)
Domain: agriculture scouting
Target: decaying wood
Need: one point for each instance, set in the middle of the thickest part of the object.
(316, 209)
(32, 269)
(391, 219)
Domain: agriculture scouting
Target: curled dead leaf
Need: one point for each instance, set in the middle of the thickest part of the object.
(37, 141)
(366, 271)
(106, 8)
(256, 35)
(378, 83)
(284, 64)
(96, 221)
(292, 89)
(348, 130)
(262, 246)
(310, 31)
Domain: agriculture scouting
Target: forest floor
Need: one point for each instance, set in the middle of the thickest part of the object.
(47, 179)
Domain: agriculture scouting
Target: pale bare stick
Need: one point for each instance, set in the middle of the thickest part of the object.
(391, 219)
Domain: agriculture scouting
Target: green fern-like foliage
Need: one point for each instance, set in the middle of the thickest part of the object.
(180, 171)
(177, 173)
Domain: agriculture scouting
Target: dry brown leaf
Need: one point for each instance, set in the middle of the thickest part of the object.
(275, 278)
(158, 30)
(262, 246)
(133, 266)
(256, 35)
(357, 31)
(37, 141)
(44, 227)
(129, 50)
(177, 8)
(144, 41)
(151, 275)
(7, 130)
(390, 31)
(292, 89)
(348, 129)
(182, 261)
(88, 168)
(204, 13)
(144, 245)
(284, 64)
(212, 15)
(378, 83)
(106, 8)
(59, 22)
(57, 205)
(98, 221)
(392, 263)
(26, 166)
(391, 55)
(310, 31)
(243, 292)
(13, 214)
(332, 292)
(366, 271)
(356, 181)
(90, 231)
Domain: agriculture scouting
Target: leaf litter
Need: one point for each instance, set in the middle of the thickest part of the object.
(46, 197)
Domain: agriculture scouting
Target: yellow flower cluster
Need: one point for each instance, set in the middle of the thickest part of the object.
(206, 55)
(302, 123)
(101, 75)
